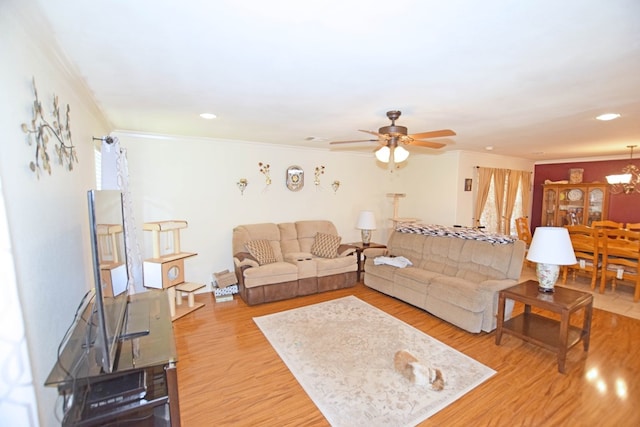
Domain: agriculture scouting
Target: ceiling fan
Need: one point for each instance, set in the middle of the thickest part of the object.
(392, 138)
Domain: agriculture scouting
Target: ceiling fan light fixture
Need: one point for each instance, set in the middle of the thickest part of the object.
(400, 154)
(383, 154)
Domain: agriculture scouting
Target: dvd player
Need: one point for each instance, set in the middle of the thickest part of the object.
(117, 391)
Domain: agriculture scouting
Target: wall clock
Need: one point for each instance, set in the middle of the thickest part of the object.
(295, 178)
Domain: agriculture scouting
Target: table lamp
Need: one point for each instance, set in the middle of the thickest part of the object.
(366, 223)
(550, 248)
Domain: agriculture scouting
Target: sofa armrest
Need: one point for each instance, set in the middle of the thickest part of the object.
(345, 250)
(374, 252)
(245, 259)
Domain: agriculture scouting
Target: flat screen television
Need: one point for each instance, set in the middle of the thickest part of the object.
(107, 230)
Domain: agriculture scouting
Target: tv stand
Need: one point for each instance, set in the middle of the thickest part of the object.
(143, 387)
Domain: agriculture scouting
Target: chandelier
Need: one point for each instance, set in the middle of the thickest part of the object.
(628, 181)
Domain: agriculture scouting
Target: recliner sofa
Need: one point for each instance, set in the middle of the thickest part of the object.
(454, 277)
(280, 261)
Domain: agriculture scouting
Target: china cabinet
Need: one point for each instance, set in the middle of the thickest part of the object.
(573, 204)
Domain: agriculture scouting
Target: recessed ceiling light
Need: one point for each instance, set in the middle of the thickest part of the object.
(489, 147)
(608, 116)
(315, 139)
(208, 116)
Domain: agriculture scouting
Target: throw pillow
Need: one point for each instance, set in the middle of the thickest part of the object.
(262, 251)
(326, 245)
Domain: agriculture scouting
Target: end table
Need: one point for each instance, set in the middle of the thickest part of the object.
(360, 247)
(557, 336)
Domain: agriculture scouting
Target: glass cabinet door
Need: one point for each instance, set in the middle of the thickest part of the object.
(596, 205)
(549, 207)
(571, 206)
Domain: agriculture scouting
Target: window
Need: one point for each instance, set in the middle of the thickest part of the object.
(493, 217)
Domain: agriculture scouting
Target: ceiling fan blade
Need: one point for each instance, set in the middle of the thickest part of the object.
(372, 133)
(429, 144)
(433, 134)
(355, 140)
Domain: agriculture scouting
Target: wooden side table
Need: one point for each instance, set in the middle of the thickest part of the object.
(557, 336)
(360, 247)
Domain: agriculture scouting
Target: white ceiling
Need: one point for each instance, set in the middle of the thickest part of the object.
(526, 77)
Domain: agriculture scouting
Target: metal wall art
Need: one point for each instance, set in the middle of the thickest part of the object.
(264, 169)
(40, 131)
(242, 184)
(319, 171)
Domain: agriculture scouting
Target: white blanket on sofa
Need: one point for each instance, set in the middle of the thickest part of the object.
(397, 261)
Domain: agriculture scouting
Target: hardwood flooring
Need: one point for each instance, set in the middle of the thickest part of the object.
(229, 375)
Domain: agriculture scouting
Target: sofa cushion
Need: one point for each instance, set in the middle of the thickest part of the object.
(457, 291)
(326, 245)
(307, 230)
(261, 250)
(276, 272)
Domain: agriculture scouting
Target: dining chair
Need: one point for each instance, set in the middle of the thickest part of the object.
(607, 223)
(632, 226)
(524, 234)
(620, 259)
(585, 246)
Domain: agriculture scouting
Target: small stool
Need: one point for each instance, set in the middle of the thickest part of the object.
(188, 288)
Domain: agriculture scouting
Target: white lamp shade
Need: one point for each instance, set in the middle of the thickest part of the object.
(383, 154)
(366, 221)
(624, 178)
(400, 154)
(551, 245)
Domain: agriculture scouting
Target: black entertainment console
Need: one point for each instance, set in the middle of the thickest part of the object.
(142, 389)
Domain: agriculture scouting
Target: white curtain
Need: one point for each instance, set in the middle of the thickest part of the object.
(115, 176)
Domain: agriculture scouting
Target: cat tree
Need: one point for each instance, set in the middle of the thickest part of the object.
(166, 269)
(396, 205)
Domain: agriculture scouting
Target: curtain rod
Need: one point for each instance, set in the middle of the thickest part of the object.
(107, 139)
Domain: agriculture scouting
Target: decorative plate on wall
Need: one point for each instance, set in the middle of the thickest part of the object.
(295, 178)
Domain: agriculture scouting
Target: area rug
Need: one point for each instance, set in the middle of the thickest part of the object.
(341, 352)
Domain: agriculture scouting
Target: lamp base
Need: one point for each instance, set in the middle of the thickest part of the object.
(547, 276)
(366, 237)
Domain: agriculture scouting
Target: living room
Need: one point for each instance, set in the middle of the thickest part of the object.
(45, 242)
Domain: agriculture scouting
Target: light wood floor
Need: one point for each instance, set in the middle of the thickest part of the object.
(229, 374)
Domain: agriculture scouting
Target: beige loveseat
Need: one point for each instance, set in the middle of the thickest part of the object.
(280, 261)
(454, 278)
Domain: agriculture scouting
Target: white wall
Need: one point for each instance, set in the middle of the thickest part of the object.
(171, 178)
(434, 184)
(47, 217)
(195, 180)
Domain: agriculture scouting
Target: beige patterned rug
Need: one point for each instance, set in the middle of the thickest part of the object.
(341, 352)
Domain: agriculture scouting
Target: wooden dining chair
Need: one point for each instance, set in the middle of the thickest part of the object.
(607, 224)
(524, 234)
(585, 246)
(620, 259)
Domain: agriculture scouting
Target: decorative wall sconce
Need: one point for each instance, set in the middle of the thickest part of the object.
(628, 181)
(242, 184)
(40, 132)
(335, 185)
(264, 169)
(319, 171)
